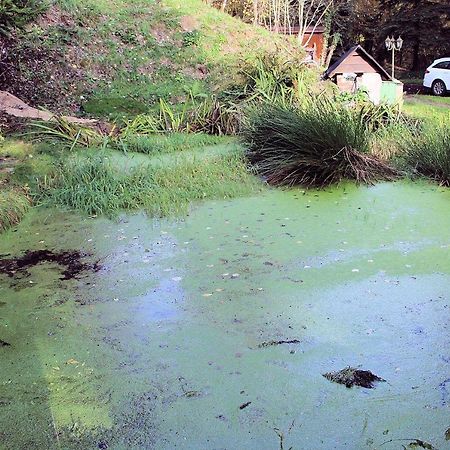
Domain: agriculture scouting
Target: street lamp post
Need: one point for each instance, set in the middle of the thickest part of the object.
(393, 45)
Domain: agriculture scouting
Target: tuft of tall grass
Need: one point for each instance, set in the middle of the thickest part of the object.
(92, 184)
(319, 143)
(167, 143)
(385, 141)
(14, 204)
(426, 151)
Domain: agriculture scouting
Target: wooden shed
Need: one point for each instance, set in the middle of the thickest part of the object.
(313, 40)
(356, 69)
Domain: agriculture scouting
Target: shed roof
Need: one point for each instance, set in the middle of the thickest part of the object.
(357, 49)
(312, 29)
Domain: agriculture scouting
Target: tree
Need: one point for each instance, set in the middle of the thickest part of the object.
(424, 26)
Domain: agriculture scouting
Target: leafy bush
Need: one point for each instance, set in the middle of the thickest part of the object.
(322, 142)
(208, 116)
(17, 13)
(426, 151)
(270, 78)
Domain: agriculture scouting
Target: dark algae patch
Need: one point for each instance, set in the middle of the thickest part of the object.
(353, 377)
(71, 261)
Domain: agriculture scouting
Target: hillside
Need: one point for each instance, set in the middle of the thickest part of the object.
(109, 58)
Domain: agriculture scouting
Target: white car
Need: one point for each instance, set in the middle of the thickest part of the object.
(437, 76)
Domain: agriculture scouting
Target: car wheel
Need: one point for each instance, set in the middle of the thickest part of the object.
(438, 88)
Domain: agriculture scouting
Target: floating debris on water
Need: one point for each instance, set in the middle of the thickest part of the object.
(353, 377)
(244, 405)
(415, 443)
(71, 260)
(271, 343)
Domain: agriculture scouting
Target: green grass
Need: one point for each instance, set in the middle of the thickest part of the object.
(169, 173)
(93, 184)
(168, 143)
(17, 149)
(427, 107)
(426, 151)
(14, 204)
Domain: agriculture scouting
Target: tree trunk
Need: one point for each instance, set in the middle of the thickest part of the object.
(416, 49)
(255, 12)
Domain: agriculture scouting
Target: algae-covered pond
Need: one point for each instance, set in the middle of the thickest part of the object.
(175, 342)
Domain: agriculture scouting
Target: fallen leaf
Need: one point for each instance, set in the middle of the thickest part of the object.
(72, 361)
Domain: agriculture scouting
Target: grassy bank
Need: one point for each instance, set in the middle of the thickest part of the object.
(168, 175)
(94, 185)
(119, 58)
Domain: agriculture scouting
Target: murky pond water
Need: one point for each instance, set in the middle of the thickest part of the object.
(161, 348)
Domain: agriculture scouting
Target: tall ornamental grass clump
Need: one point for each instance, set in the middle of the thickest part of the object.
(318, 143)
(426, 151)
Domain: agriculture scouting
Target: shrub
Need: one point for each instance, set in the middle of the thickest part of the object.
(320, 143)
(17, 13)
(426, 151)
(208, 116)
(274, 79)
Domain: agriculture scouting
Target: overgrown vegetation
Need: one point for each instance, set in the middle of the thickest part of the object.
(17, 13)
(315, 144)
(158, 76)
(93, 184)
(14, 204)
(426, 151)
(119, 59)
(167, 143)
